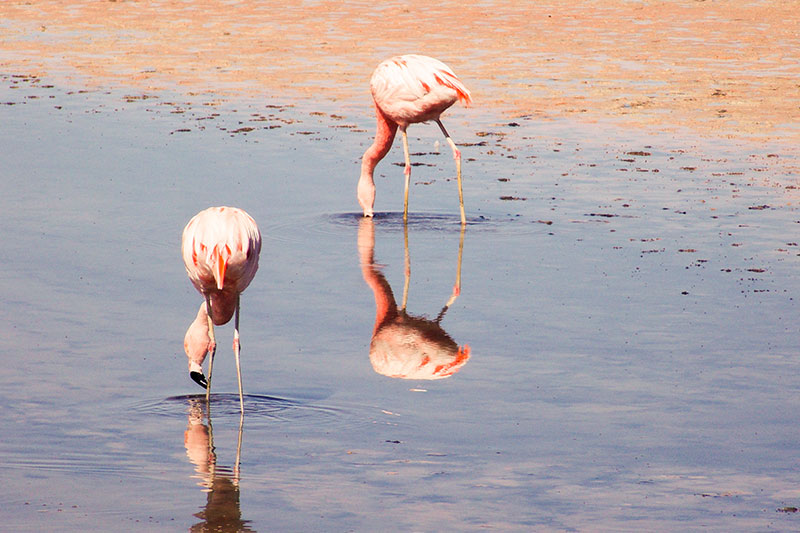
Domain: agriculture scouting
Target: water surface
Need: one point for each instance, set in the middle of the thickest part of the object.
(629, 302)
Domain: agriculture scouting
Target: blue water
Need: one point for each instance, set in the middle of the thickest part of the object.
(629, 300)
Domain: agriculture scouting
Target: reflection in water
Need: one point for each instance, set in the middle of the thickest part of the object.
(221, 512)
(406, 346)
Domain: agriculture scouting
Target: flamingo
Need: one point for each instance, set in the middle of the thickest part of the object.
(220, 248)
(408, 89)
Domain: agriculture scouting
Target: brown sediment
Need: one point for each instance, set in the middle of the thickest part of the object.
(717, 68)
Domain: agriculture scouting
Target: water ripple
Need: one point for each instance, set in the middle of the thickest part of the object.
(258, 408)
(311, 227)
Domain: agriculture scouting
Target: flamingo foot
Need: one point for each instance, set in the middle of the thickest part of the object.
(199, 378)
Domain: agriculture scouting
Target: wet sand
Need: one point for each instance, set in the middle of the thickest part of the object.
(712, 68)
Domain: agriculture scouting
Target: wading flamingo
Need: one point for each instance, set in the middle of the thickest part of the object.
(408, 89)
(220, 250)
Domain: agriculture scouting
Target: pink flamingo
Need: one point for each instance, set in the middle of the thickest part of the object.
(408, 89)
(220, 250)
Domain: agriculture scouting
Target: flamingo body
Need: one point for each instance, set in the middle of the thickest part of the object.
(220, 248)
(414, 88)
(408, 89)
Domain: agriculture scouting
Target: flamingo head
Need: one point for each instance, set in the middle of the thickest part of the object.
(197, 344)
(366, 195)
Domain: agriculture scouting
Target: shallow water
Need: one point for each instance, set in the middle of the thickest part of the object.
(629, 301)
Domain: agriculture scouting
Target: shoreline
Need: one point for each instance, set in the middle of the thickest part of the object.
(720, 71)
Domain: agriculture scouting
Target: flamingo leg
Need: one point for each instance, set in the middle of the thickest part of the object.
(236, 350)
(457, 157)
(213, 345)
(407, 173)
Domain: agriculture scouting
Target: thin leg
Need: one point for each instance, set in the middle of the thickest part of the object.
(457, 157)
(236, 349)
(213, 347)
(407, 172)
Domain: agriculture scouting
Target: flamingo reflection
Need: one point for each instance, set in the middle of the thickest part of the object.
(221, 511)
(406, 346)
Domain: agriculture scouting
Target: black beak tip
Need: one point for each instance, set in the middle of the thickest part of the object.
(199, 378)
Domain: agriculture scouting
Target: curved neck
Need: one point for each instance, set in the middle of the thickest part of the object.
(223, 305)
(384, 135)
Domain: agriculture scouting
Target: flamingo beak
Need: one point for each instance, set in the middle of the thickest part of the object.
(196, 373)
(199, 378)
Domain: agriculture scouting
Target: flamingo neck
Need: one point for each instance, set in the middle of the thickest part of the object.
(223, 305)
(384, 135)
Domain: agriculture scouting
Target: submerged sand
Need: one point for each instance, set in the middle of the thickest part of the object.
(727, 69)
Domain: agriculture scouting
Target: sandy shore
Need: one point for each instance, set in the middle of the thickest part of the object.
(716, 68)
